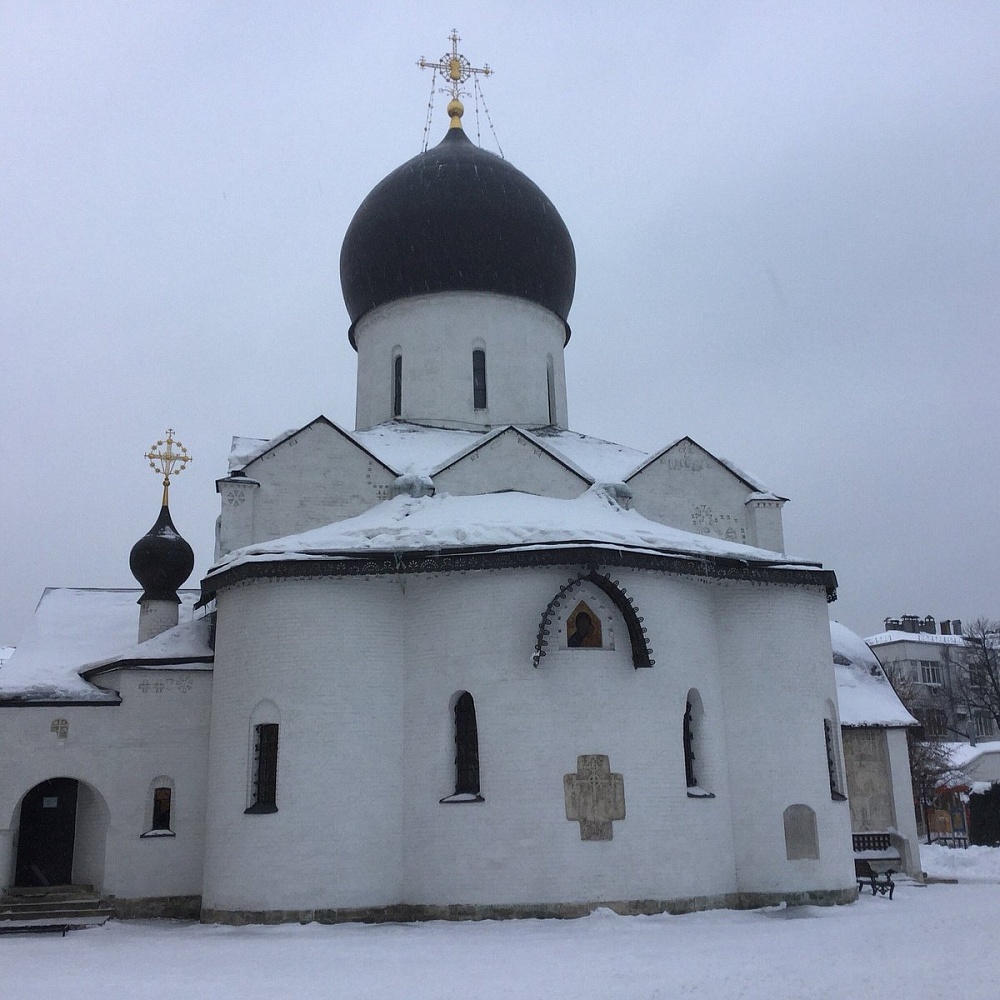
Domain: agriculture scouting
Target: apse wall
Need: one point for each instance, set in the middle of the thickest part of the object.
(365, 672)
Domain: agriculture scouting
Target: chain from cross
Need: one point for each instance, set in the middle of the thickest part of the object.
(168, 462)
(455, 67)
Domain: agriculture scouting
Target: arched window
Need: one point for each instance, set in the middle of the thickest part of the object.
(466, 752)
(262, 777)
(689, 748)
(160, 807)
(479, 379)
(264, 788)
(550, 384)
(693, 737)
(833, 761)
(397, 385)
(801, 839)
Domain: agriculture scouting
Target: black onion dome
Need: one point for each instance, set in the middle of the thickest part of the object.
(457, 218)
(161, 560)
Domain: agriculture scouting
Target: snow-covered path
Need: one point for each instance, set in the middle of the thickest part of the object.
(929, 935)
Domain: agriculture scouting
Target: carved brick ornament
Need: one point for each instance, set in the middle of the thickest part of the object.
(594, 796)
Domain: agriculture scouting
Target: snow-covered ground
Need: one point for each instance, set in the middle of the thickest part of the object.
(975, 864)
(928, 939)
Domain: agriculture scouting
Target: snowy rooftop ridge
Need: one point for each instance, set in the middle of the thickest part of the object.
(507, 520)
(897, 635)
(407, 447)
(421, 449)
(864, 694)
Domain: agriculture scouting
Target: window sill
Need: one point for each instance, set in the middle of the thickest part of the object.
(157, 833)
(460, 798)
(694, 792)
(259, 809)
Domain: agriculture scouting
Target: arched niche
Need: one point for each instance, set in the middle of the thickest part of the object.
(801, 836)
(560, 615)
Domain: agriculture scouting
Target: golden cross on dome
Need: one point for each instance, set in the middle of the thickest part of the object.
(167, 461)
(456, 69)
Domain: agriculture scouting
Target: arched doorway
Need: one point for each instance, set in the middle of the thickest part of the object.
(46, 834)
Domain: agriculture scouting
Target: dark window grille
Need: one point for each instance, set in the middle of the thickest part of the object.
(871, 841)
(688, 748)
(479, 380)
(466, 747)
(397, 385)
(265, 769)
(831, 761)
(161, 809)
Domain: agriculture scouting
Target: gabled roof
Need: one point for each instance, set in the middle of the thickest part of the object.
(530, 438)
(403, 447)
(72, 629)
(246, 451)
(754, 485)
(864, 694)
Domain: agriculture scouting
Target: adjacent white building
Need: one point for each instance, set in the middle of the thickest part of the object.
(876, 756)
(458, 661)
(932, 657)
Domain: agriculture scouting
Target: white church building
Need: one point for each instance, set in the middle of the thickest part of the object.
(459, 661)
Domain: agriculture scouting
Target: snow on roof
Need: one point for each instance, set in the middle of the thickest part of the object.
(963, 754)
(73, 627)
(414, 448)
(864, 694)
(244, 450)
(186, 642)
(498, 520)
(897, 635)
(603, 461)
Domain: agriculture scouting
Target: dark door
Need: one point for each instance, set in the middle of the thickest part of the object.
(46, 834)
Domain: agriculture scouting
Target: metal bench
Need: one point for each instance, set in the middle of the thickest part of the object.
(876, 860)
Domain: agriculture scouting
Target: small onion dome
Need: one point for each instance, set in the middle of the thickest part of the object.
(161, 560)
(457, 218)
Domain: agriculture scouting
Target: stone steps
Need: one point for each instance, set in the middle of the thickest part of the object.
(52, 908)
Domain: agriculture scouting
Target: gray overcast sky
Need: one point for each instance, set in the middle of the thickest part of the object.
(785, 216)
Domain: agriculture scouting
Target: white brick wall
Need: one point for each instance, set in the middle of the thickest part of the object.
(317, 476)
(364, 672)
(116, 752)
(510, 462)
(436, 335)
(689, 489)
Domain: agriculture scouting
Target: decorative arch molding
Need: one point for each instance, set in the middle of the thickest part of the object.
(642, 655)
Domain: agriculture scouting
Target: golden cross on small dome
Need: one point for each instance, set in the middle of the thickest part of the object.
(456, 69)
(167, 461)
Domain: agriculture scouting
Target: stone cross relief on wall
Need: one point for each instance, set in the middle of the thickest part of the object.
(594, 796)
